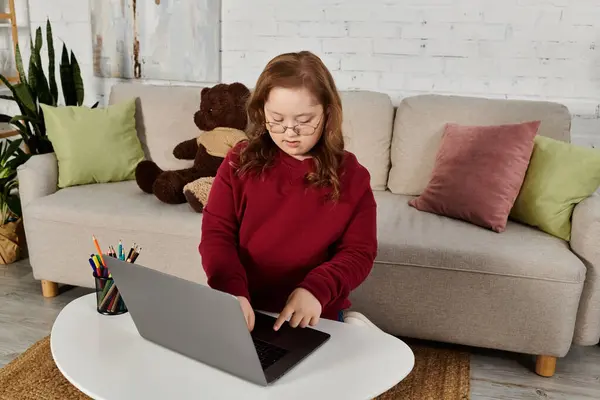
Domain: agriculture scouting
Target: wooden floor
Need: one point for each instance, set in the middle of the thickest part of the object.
(26, 317)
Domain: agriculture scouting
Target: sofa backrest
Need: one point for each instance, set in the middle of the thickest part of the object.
(164, 118)
(420, 121)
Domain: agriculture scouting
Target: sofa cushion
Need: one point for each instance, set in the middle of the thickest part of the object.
(118, 206)
(164, 118)
(410, 237)
(94, 145)
(478, 173)
(367, 128)
(420, 121)
(559, 177)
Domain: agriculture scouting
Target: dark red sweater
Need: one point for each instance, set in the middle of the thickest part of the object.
(263, 237)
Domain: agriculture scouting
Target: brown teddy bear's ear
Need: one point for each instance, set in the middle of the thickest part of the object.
(239, 90)
(204, 91)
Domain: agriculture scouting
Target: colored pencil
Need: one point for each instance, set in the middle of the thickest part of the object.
(99, 250)
(105, 289)
(96, 263)
(93, 266)
(108, 296)
(130, 252)
(135, 255)
(113, 307)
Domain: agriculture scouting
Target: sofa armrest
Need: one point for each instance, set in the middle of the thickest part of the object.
(38, 177)
(585, 242)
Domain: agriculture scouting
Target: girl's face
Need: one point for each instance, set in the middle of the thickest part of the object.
(303, 116)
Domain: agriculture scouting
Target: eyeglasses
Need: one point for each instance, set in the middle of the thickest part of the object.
(300, 129)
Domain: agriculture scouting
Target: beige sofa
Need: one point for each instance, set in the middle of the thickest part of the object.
(435, 278)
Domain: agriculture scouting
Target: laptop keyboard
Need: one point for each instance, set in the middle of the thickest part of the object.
(268, 353)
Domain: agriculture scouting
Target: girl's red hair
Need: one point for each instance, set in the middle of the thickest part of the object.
(297, 70)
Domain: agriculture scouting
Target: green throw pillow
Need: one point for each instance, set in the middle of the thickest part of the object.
(560, 175)
(94, 145)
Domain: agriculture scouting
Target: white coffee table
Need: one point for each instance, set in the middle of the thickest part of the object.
(107, 359)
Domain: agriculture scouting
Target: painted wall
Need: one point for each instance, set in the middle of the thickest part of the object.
(536, 49)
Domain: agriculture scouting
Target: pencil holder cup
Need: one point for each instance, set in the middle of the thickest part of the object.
(108, 298)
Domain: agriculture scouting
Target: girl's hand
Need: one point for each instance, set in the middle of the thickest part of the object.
(248, 312)
(302, 307)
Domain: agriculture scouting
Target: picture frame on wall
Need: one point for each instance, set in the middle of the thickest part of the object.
(159, 39)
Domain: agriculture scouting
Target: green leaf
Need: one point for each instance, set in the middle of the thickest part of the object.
(19, 64)
(24, 130)
(14, 204)
(41, 126)
(28, 121)
(24, 110)
(31, 64)
(23, 118)
(38, 43)
(64, 57)
(7, 84)
(66, 78)
(33, 79)
(21, 94)
(24, 95)
(18, 158)
(51, 63)
(77, 81)
(41, 88)
(11, 150)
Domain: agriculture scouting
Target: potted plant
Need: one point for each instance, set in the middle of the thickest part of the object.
(11, 238)
(35, 88)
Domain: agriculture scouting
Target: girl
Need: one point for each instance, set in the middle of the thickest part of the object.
(290, 224)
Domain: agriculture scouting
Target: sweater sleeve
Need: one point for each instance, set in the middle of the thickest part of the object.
(353, 257)
(219, 241)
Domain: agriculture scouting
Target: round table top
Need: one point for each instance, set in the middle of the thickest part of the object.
(107, 359)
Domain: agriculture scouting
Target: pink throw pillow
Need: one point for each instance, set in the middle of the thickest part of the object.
(478, 173)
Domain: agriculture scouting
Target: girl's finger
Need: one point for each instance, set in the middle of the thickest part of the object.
(285, 314)
(251, 321)
(305, 321)
(296, 319)
(314, 321)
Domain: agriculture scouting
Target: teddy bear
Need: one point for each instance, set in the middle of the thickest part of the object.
(222, 119)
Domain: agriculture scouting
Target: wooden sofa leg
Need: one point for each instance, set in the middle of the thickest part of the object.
(49, 289)
(545, 365)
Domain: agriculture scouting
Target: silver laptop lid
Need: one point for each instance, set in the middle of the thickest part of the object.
(189, 318)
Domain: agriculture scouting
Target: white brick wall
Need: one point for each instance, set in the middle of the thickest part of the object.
(536, 49)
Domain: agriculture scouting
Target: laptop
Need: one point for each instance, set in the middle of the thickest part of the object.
(208, 325)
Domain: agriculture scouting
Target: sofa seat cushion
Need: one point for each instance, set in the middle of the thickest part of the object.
(118, 206)
(415, 238)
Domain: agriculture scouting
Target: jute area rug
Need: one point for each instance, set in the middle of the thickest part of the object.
(439, 374)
